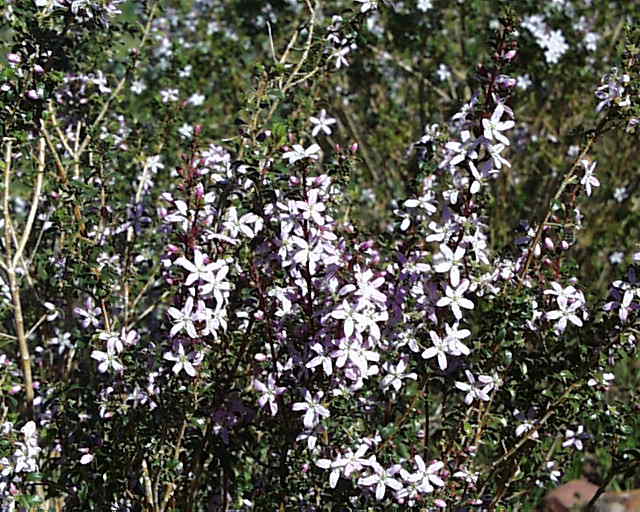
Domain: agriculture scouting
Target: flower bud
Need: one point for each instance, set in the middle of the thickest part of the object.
(548, 243)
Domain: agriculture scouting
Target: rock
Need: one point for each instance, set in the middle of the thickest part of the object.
(575, 494)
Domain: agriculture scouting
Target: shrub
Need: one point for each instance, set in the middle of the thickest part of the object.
(316, 256)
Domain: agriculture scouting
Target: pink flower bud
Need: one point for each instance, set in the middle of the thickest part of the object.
(354, 147)
(199, 191)
(14, 58)
(38, 69)
(510, 55)
(32, 94)
(548, 243)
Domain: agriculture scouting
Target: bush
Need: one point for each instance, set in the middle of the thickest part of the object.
(341, 255)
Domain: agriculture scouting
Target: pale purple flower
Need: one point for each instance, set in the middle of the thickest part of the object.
(312, 208)
(439, 349)
(566, 312)
(270, 392)
(183, 319)
(589, 179)
(322, 123)
(381, 478)
(494, 127)
(89, 314)
(346, 464)
(424, 202)
(217, 283)
(169, 95)
(367, 5)
(476, 390)
(182, 361)
(346, 312)
(424, 476)
(314, 410)
(198, 270)
(341, 57)
(449, 261)
(321, 359)
(108, 359)
(454, 299)
(299, 153)
(234, 225)
(453, 339)
(574, 438)
(395, 375)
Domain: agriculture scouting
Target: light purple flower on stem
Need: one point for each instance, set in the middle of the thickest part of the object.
(89, 314)
(183, 319)
(448, 261)
(566, 312)
(424, 476)
(217, 283)
(107, 360)
(454, 299)
(395, 375)
(366, 287)
(494, 127)
(346, 312)
(182, 361)
(87, 457)
(453, 337)
(314, 410)
(312, 208)
(367, 5)
(322, 123)
(346, 464)
(574, 438)
(235, 225)
(381, 478)
(439, 350)
(368, 318)
(475, 389)
(113, 340)
(423, 202)
(461, 151)
(270, 392)
(299, 153)
(320, 359)
(198, 269)
(568, 293)
(498, 159)
(589, 179)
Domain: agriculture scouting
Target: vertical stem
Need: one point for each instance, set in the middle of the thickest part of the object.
(425, 446)
(11, 261)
